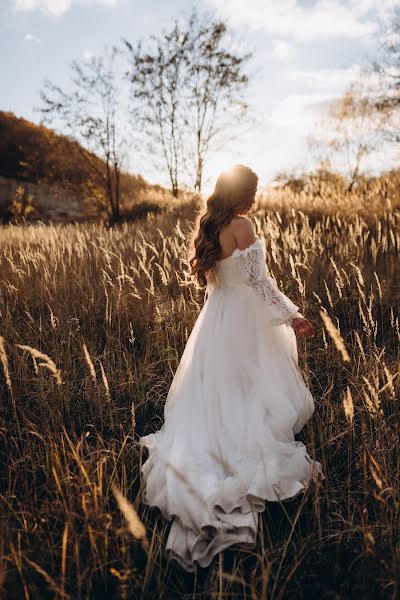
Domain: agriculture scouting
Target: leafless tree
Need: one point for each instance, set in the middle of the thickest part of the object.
(186, 90)
(215, 80)
(387, 67)
(91, 115)
(157, 81)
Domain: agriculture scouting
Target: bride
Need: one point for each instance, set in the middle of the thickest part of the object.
(237, 397)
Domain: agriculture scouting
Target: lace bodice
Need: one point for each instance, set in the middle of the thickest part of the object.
(248, 267)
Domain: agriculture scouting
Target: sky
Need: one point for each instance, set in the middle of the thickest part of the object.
(305, 54)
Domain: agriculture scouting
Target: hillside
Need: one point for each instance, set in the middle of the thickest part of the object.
(55, 171)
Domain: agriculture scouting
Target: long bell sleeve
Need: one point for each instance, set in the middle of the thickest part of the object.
(280, 308)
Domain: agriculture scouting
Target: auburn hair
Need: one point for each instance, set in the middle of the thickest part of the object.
(234, 191)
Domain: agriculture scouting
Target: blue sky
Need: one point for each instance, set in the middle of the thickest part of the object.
(306, 53)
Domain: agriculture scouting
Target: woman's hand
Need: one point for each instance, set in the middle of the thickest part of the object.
(302, 327)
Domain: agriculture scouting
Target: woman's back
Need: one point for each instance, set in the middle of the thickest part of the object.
(239, 233)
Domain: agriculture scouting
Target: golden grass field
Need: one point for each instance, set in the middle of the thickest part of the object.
(93, 323)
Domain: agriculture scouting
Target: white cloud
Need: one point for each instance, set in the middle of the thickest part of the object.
(55, 8)
(324, 19)
(335, 82)
(52, 7)
(296, 113)
(32, 38)
(382, 7)
(282, 50)
(321, 89)
(335, 79)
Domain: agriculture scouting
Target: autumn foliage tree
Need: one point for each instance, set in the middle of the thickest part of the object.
(349, 131)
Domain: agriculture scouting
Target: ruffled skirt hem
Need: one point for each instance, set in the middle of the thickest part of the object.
(228, 515)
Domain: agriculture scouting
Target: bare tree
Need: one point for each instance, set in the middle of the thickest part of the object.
(157, 80)
(387, 67)
(186, 89)
(91, 115)
(215, 80)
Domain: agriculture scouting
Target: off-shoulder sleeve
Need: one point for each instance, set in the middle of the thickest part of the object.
(254, 270)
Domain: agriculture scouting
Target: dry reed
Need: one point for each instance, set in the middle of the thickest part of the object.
(63, 447)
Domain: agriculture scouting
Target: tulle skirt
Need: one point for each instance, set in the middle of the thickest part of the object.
(227, 444)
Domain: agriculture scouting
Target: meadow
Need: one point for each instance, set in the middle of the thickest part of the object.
(93, 323)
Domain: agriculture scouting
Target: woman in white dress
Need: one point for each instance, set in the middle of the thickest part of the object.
(227, 443)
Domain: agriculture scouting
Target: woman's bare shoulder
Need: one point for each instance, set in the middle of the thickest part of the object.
(243, 231)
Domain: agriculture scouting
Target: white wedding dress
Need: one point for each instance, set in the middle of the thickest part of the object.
(227, 444)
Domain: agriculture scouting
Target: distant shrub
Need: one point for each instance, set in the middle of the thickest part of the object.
(141, 210)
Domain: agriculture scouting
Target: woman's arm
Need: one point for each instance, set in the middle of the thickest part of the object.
(252, 265)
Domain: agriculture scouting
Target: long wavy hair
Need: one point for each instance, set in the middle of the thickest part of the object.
(234, 191)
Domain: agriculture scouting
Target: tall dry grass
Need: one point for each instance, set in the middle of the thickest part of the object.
(92, 325)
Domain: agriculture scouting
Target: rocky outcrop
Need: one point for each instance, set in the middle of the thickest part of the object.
(50, 202)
